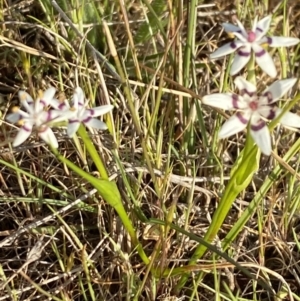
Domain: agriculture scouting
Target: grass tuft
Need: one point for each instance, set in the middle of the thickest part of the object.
(156, 207)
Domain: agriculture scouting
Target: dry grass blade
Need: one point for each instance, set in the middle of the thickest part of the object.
(59, 239)
(89, 45)
(17, 45)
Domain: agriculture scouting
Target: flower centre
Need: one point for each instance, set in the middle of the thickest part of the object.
(251, 36)
(253, 105)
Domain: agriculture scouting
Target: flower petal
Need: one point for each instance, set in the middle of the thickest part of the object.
(243, 84)
(241, 37)
(267, 111)
(79, 96)
(282, 41)
(48, 95)
(220, 100)
(24, 96)
(48, 136)
(23, 134)
(262, 27)
(97, 124)
(222, 51)
(72, 128)
(264, 60)
(254, 24)
(59, 105)
(261, 135)
(58, 116)
(242, 28)
(289, 119)
(232, 126)
(279, 88)
(14, 117)
(241, 59)
(228, 27)
(26, 102)
(98, 111)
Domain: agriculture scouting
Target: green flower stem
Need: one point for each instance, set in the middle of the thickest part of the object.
(249, 211)
(245, 166)
(241, 175)
(93, 152)
(251, 77)
(110, 193)
(249, 144)
(240, 178)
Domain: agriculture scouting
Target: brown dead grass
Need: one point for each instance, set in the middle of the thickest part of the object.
(39, 247)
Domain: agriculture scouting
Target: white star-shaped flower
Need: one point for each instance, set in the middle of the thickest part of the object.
(35, 116)
(254, 109)
(247, 42)
(81, 114)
